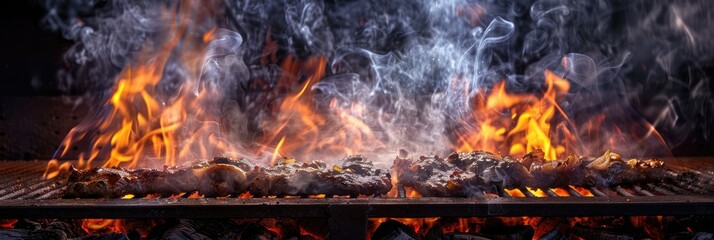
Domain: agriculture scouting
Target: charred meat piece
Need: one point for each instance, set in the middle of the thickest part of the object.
(610, 170)
(208, 178)
(554, 173)
(436, 177)
(498, 171)
(352, 176)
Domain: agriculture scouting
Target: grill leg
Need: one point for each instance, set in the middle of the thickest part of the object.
(347, 221)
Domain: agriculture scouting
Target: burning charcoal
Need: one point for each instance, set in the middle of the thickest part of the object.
(27, 224)
(507, 232)
(253, 231)
(436, 232)
(692, 236)
(464, 236)
(41, 234)
(108, 236)
(202, 229)
(73, 228)
(607, 233)
(554, 235)
(69, 228)
(134, 234)
(393, 230)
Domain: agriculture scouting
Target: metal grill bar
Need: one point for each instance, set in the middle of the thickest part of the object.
(375, 207)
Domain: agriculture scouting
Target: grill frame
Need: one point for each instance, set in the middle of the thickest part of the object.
(371, 207)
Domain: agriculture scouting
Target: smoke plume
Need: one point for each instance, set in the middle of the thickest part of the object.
(409, 71)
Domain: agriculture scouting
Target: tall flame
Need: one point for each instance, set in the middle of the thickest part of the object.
(141, 121)
(515, 123)
(301, 128)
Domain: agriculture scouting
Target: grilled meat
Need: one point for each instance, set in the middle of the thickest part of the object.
(224, 176)
(469, 174)
(554, 173)
(220, 177)
(610, 170)
(434, 176)
(500, 172)
(353, 176)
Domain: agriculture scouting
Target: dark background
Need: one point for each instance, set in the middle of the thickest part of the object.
(31, 55)
(35, 115)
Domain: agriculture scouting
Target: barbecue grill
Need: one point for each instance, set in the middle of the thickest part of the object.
(165, 83)
(26, 194)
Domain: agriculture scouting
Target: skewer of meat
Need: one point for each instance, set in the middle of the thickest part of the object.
(353, 176)
(469, 174)
(220, 177)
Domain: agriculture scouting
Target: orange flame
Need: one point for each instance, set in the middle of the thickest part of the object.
(7, 223)
(582, 191)
(515, 193)
(103, 225)
(537, 192)
(302, 129)
(137, 123)
(526, 125)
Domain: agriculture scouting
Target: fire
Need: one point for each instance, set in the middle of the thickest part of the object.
(537, 192)
(139, 125)
(515, 193)
(515, 123)
(103, 225)
(582, 191)
(461, 225)
(560, 192)
(7, 223)
(302, 128)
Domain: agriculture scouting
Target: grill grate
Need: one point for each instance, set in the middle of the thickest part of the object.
(23, 180)
(24, 193)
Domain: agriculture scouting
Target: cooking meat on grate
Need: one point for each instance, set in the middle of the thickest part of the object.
(222, 176)
(471, 174)
(435, 177)
(353, 176)
(219, 177)
(611, 170)
(460, 174)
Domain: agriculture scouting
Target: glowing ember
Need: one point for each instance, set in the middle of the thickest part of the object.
(560, 192)
(103, 225)
(582, 191)
(7, 223)
(515, 193)
(537, 192)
